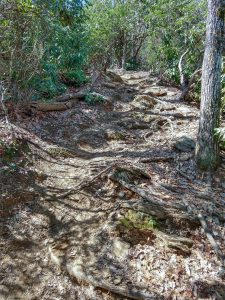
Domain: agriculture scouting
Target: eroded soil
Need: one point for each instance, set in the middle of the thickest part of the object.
(68, 225)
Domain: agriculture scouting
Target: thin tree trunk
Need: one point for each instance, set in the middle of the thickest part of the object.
(207, 149)
(123, 62)
(183, 82)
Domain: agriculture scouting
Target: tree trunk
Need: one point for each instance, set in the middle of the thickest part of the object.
(183, 81)
(207, 149)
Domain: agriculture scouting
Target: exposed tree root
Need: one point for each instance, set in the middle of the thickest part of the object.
(179, 243)
(156, 159)
(81, 185)
(126, 291)
(208, 234)
(148, 195)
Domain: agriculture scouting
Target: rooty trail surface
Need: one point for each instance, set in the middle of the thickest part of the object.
(112, 207)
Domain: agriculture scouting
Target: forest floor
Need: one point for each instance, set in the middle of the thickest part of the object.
(110, 205)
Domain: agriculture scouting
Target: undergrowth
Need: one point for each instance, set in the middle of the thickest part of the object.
(12, 155)
(138, 220)
(93, 98)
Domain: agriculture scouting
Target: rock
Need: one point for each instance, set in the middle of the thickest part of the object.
(185, 144)
(184, 111)
(223, 185)
(144, 102)
(114, 77)
(155, 91)
(110, 85)
(120, 249)
(108, 105)
(117, 280)
(121, 195)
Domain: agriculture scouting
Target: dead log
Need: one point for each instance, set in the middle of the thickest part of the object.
(45, 107)
(55, 106)
(78, 95)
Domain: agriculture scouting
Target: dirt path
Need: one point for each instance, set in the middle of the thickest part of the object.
(77, 225)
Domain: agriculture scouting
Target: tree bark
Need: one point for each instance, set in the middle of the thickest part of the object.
(207, 150)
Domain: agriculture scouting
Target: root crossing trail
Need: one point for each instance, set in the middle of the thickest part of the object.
(105, 214)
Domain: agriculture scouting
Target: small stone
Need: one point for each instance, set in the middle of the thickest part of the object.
(121, 195)
(117, 280)
(223, 185)
(216, 220)
(120, 249)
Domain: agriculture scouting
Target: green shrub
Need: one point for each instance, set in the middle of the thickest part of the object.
(93, 98)
(75, 77)
(132, 65)
(11, 155)
(220, 134)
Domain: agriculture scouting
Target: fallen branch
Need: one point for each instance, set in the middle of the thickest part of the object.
(81, 94)
(211, 239)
